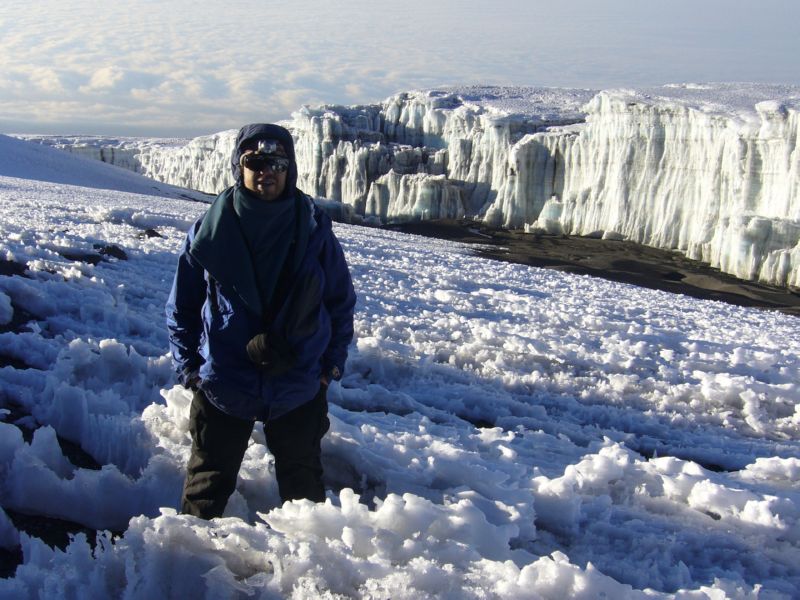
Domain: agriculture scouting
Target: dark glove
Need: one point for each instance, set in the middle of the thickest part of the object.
(273, 355)
(190, 379)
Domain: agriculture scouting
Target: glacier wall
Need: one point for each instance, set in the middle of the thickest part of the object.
(423, 154)
(121, 152)
(710, 171)
(201, 164)
(719, 187)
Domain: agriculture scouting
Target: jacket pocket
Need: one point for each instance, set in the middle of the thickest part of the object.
(304, 303)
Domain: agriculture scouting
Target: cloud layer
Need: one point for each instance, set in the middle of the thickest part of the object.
(187, 68)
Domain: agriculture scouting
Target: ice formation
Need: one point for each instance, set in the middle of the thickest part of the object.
(711, 171)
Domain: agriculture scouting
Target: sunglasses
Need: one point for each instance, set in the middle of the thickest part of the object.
(260, 162)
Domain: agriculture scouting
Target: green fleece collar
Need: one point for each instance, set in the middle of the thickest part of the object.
(232, 267)
(220, 247)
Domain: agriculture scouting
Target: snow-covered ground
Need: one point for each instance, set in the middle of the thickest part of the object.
(502, 431)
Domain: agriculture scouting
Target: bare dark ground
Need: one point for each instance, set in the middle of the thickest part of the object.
(622, 261)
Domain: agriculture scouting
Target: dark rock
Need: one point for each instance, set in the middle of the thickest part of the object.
(10, 268)
(12, 361)
(20, 319)
(86, 257)
(9, 561)
(111, 250)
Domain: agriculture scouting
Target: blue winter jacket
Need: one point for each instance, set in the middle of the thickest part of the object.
(210, 326)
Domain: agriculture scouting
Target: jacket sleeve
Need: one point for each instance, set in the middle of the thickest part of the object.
(339, 298)
(184, 312)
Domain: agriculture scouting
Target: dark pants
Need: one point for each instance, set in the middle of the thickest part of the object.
(219, 442)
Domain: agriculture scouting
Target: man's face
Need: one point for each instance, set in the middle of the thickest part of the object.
(266, 183)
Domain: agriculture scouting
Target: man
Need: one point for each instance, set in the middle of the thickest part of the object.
(260, 317)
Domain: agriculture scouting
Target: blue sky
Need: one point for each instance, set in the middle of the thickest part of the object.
(187, 68)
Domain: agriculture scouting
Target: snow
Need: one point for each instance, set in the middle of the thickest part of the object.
(501, 431)
(709, 170)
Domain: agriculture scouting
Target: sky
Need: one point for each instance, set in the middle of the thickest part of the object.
(500, 432)
(185, 68)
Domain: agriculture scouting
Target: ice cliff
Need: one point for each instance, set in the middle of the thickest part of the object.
(719, 183)
(712, 171)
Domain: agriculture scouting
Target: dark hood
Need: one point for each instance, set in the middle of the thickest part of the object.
(266, 131)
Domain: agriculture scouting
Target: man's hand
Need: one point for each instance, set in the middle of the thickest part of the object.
(190, 380)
